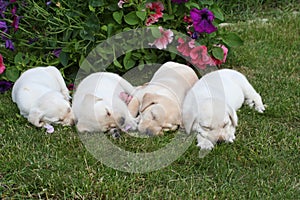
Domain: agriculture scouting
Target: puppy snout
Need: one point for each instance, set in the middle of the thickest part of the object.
(149, 132)
(72, 122)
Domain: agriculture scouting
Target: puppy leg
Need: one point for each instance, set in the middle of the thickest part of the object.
(205, 146)
(230, 137)
(252, 98)
(35, 116)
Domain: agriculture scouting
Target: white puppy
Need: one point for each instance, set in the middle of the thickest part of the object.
(159, 101)
(42, 97)
(97, 104)
(210, 106)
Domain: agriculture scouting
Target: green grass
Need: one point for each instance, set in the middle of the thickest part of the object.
(263, 162)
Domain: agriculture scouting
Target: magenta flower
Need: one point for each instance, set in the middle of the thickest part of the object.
(14, 10)
(202, 20)
(2, 66)
(15, 23)
(164, 40)
(71, 87)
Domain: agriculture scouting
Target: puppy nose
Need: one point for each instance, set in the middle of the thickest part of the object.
(72, 122)
(121, 121)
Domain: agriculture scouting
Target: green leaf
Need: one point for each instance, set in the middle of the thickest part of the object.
(64, 58)
(191, 4)
(141, 65)
(218, 53)
(128, 61)
(141, 14)
(155, 32)
(232, 40)
(91, 8)
(118, 15)
(131, 18)
(12, 74)
(117, 64)
(217, 13)
(18, 58)
(97, 3)
(168, 17)
(93, 23)
(207, 2)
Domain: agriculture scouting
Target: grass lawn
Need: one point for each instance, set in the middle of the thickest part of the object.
(263, 162)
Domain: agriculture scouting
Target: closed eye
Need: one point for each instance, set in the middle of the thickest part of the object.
(153, 116)
(225, 124)
(207, 128)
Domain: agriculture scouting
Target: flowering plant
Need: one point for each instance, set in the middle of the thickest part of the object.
(63, 33)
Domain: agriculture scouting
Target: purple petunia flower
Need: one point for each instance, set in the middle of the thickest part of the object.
(32, 40)
(3, 26)
(3, 5)
(202, 20)
(48, 3)
(56, 52)
(179, 1)
(9, 44)
(5, 86)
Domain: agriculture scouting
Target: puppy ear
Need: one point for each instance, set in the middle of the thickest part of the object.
(89, 98)
(148, 100)
(35, 116)
(108, 113)
(134, 106)
(233, 116)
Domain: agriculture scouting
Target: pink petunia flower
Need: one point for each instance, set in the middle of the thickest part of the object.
(2, 66)
(157, 7)
(164, 40)
(185, 47)
(200, 57)
(225, 51)
(121, 2)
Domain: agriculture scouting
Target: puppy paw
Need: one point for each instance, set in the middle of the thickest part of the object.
(260, 108)
(256, 103)
(249, 102)
(205, 145)
(230, 138)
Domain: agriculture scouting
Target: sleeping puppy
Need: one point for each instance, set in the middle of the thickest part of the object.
(159, 101)
(210, 106)
(97, 104)
(42, 97)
